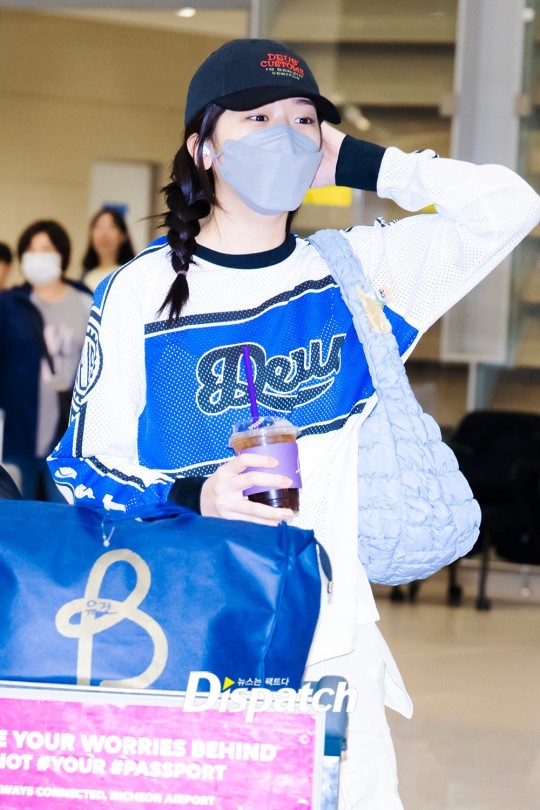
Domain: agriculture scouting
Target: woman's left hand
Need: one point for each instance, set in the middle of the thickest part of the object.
(331, 140)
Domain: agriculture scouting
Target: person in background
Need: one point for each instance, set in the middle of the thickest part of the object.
(6, 259)
(109, 246)
(42, 328)
(160, 381)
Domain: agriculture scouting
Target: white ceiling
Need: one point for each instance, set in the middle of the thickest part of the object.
(147, 5)
(227, 18)
(227, 23)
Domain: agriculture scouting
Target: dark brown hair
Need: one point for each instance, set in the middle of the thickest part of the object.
(125, 251)
(189, 197)
(56, 233)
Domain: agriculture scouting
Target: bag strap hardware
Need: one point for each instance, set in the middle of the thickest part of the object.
(374, 310)
(326, 566)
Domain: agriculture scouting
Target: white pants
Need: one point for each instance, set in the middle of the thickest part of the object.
(368, 773)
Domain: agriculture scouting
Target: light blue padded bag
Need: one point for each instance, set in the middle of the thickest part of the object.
(416, 511)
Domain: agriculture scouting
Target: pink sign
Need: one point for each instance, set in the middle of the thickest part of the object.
(64, 754)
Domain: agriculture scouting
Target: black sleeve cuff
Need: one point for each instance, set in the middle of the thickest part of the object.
(187, 492)
(358, 164)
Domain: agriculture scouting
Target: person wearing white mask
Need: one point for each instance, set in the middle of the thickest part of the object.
(161, 379)
(42, 328)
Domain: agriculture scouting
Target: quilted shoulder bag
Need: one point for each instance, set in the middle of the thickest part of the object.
(416, 511)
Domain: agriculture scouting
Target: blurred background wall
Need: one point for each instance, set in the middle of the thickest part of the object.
(74, 91)
(90, 95)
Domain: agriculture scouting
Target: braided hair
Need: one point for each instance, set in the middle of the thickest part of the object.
(189, 197)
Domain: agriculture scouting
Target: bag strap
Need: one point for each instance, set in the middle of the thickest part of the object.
(372, 327)
(347, 270)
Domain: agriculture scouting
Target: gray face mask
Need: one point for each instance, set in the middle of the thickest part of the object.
(270, 169)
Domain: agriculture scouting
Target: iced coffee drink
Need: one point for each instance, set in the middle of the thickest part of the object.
(274, 437)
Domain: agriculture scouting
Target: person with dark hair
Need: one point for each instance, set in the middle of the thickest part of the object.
(109, 246)
(6, 259)
(161, 379)
(42, 328)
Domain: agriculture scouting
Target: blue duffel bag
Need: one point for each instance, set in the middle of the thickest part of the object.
(136, 603)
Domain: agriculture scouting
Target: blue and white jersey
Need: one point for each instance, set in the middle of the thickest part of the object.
(302, 346)
(155, 401)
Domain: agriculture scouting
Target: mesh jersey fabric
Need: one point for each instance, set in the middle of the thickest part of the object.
(154, 401)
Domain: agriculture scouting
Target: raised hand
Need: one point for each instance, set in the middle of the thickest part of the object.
(331, 140)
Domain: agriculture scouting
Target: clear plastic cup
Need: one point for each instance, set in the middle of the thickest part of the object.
(276, 437)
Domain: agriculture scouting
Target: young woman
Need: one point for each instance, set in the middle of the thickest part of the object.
(42, 329)
(161, 379)
(109, 246)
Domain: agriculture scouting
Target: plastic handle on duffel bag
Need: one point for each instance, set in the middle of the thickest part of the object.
(151, 512)
(172, 510)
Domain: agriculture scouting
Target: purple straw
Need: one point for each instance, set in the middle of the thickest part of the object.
(250, 384)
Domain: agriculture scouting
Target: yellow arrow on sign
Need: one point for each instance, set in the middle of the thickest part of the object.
(227, 683)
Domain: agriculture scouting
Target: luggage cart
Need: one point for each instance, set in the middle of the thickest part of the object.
(83, 746)
(335, 743)
(42, 689)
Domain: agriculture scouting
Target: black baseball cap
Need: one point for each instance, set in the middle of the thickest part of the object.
(247, 73)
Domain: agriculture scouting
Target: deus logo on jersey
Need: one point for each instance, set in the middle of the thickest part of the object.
(282, 381)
